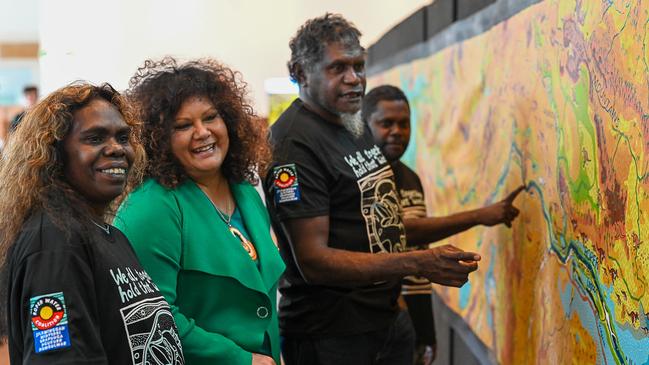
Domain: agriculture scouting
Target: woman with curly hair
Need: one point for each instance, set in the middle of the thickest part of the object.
(197, 224)
(75, 291)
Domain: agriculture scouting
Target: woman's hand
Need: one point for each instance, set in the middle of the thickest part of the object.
(259, 359)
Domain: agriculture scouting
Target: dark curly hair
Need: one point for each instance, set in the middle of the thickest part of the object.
(380, 93)
(310, 41)
(158, 90)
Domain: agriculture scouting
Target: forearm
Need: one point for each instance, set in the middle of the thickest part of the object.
(421, 231)
(321, 264)
(345, 268)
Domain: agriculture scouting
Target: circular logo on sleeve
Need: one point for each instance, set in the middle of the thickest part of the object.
(284, 177)
(47, 312)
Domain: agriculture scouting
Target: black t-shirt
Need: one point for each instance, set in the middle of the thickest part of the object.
(411, 191)
(321, 169)
(415, 290)
(83, 298)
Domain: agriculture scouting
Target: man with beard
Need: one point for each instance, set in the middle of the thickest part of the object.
(387, 113)
(335, 210)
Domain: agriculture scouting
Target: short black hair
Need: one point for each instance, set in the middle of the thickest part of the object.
(30, 89)
(310, 41)
(379, 93)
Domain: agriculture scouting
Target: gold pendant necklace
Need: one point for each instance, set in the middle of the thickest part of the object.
(247, 245)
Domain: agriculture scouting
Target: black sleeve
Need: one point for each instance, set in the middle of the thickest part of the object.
(312, 177)
(54, 316)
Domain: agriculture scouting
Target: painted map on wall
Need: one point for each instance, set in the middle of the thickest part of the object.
(556, 97)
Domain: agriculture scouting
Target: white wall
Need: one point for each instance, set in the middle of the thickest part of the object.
(19, 20)
(101, 40)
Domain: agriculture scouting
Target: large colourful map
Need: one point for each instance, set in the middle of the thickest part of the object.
(556, 97)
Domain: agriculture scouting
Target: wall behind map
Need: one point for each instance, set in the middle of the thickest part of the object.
(553, 94)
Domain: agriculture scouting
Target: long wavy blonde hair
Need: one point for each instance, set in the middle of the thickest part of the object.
(31, 169)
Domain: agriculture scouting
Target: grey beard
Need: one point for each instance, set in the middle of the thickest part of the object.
(353, 123)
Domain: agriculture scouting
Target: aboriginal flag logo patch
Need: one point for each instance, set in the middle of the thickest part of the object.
(287, 188)
(47, 312)
(49, 322)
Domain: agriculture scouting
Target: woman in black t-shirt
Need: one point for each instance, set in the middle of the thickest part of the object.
(73, 290)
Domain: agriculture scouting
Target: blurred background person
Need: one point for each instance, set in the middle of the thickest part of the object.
(30, 93)
(197, 223)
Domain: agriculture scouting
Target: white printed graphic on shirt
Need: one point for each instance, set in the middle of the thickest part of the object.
(412, 203)
(363, 162)
(381, 210)
(132, 283)
(152, 334)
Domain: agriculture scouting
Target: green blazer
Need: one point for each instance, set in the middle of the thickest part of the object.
(223, 304)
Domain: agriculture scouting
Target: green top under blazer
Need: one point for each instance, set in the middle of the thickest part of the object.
(222, 302)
